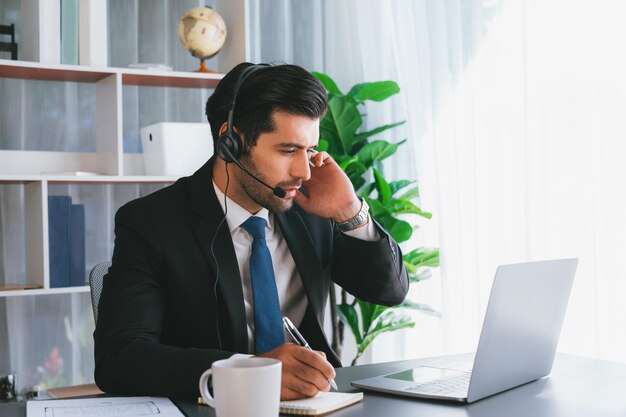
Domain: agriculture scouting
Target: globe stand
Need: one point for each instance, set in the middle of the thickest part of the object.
(204, 69)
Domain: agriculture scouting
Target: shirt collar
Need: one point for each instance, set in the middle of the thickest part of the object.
(237, 215)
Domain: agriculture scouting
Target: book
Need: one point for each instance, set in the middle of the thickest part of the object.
(59, 207)
(322, 403)
(74, 391)
(15, 287)
(69, 32)
(77, 245)
(40, 32)
(92, 33)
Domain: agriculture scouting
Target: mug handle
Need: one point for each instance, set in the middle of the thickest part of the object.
(204, 388)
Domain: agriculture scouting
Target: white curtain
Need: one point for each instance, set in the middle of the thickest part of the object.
(516, 112)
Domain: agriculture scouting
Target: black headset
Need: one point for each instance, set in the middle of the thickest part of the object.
(229, 144)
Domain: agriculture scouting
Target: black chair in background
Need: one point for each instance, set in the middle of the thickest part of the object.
(9, 46)
(96, 276)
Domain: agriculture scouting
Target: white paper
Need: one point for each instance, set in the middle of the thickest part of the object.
(103, 407)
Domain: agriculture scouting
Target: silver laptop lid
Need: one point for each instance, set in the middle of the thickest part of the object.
(522, 325)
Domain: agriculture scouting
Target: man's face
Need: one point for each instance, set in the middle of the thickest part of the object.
(280, 158)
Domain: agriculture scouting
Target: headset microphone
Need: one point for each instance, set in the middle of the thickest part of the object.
(278, 191)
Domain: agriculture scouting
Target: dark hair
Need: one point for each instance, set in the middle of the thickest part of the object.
(287, 88)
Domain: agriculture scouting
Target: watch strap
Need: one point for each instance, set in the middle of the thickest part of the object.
(358, 220)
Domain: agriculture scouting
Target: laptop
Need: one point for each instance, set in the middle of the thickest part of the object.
(517, 344)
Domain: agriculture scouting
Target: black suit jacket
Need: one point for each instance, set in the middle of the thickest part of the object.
(163, 318)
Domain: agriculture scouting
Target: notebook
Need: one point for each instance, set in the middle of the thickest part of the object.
(322, 403)
(517, 344)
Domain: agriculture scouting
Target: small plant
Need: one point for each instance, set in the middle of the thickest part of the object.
(52, 371)
(360, 158)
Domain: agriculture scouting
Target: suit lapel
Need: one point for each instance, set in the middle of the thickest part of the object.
(217, 246)
(305, 256)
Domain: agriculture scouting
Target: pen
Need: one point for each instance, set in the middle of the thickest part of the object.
(299, 339)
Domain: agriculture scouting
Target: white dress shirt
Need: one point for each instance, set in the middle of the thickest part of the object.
(291, 294)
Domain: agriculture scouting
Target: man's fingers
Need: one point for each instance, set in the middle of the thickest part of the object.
(321, 158)
(287, 394)
(306, 383)
(305, 372)
(317, 361)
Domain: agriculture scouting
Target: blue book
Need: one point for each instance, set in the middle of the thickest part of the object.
(77, 245)
(69, 32)
(58, 239)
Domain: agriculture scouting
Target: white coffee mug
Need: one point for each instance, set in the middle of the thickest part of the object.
(243, 387)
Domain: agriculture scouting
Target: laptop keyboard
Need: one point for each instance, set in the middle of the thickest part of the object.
(452, 386)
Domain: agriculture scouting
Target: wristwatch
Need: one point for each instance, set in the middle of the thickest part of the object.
(358, 220)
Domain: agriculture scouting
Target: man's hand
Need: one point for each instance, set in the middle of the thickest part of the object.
(305, 372)
(330, 192)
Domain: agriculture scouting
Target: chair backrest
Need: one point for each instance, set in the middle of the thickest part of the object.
(95, 284)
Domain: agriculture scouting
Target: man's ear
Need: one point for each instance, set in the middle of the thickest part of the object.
(223, 128)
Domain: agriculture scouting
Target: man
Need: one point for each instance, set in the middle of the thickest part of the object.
(203, 269)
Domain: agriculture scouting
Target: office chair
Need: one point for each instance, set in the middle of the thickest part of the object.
(96, 275)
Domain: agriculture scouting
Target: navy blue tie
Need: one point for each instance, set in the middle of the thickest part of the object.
(268, 329)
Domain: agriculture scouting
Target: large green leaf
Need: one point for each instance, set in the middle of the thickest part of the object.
(354, 171)
(358, 183)
(379, 211)
(344, 163)
(421, 307)
(329, 134)
(384, 192)
(347, 313)
(422, 275)
(400, 230)
(369, 133)
(406, 207)
(410, 194)
(365, 193)
(346, 117)
(389, 323)
(422, 257)
(322, 145)
(376, 151)
(376, 91)
(395, 186)
(328, 82)
(369, 313)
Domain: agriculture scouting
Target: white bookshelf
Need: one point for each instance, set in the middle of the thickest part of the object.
(36, 170)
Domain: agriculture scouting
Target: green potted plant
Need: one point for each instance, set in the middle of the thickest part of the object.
(389, 201)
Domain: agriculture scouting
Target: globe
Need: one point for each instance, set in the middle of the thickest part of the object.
(202, 32)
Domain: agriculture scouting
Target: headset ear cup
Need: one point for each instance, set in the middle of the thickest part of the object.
(228, 146)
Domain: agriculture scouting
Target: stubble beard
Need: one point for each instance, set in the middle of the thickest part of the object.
(260, 194)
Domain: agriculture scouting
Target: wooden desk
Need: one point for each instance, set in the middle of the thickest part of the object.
(577, 387)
